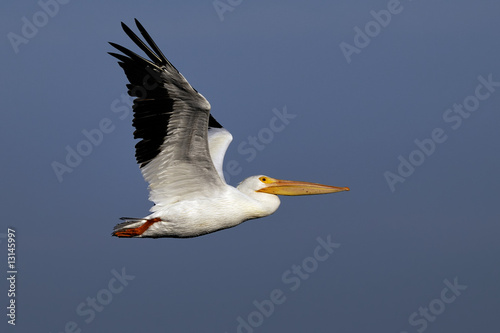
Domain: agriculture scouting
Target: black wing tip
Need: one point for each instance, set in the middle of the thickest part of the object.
(126, 29)
(116, 46)
(115, 55)
(120, 48)
(152, 51)
(138, 24)
(212, 123)
(150, 41)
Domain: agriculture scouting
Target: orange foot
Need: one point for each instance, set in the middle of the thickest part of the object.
(131, 232)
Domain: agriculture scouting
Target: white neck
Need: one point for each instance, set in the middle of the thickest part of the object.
(259, 204)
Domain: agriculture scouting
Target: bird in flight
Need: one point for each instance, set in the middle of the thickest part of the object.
(180, 154)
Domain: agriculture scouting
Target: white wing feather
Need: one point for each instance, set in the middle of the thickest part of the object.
(218, 142)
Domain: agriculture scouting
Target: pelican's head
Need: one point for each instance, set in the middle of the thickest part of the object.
(265, 190)
(265, 184)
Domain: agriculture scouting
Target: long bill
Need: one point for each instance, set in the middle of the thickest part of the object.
(291, 187)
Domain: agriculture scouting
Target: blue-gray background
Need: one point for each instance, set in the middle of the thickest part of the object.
(353, 120)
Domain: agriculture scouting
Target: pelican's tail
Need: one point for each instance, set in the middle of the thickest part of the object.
(133, 227)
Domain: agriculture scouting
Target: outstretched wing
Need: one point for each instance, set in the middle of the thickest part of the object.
(171, 120)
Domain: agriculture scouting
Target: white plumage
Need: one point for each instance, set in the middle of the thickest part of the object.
(181, 155)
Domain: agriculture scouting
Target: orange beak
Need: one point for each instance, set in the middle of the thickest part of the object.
(290, 187)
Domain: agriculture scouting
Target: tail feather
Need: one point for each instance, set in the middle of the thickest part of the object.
(129, 222)
(133, 227)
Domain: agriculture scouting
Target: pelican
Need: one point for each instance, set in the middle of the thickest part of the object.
(181, 152)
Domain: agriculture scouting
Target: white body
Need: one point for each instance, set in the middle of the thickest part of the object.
(227, 208)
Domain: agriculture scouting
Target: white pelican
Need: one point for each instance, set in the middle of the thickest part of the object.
(181, 152)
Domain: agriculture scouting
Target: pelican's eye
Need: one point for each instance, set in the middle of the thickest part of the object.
(266, 180)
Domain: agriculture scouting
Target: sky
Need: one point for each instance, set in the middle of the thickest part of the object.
(399, 100)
